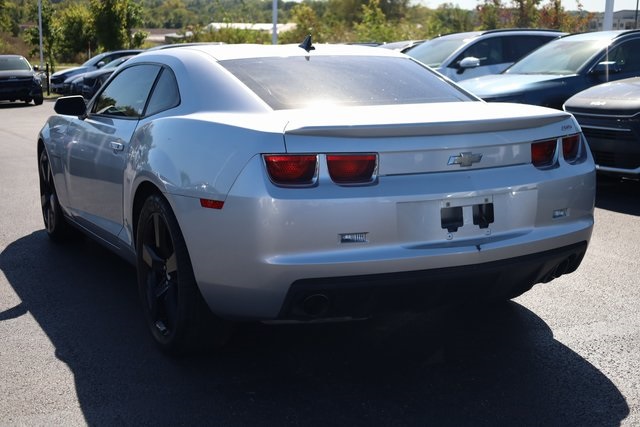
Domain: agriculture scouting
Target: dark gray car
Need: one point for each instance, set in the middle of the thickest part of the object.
(609, 115)
(560, 69)
(19, 81)
(61, 82)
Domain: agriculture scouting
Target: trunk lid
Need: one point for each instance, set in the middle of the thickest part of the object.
(429, 137)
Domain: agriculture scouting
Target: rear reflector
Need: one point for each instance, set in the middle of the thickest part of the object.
(571, 147)
(543, 153)
(351, 168)
(285, 169)
(211, 204)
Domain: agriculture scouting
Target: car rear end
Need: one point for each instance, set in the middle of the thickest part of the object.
(343, 224)
(387, 203)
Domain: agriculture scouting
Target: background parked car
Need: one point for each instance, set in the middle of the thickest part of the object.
(562, 68)
(19, 81)
(86, 84)
(402, 46)
(462, 56)
(60, 82)
(609, 115)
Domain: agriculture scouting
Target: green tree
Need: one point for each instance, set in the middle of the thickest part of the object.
(553, 15)
(49, 34)
(5, 19)
(491, 14)
(394, 10)
(114, 23)
(307, 22)
(348, 11)
(527, 13)
(374, 26)
(448, 18)
(12, 14)
(75, 30)
(174, 14)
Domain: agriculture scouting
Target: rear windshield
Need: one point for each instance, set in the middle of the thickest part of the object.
(299, 82)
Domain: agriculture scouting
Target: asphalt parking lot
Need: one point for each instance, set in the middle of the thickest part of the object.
(74, 349)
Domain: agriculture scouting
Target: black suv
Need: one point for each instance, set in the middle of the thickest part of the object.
(19, 81)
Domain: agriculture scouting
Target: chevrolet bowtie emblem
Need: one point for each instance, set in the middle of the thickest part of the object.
(464, 159)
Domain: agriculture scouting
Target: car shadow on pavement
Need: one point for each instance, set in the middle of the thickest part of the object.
(467, 366)
(619, 195)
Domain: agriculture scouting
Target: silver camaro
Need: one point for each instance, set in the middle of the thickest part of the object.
(310, 183)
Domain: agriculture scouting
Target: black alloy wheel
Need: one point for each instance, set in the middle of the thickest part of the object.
(54, 222)
(161, 287)
(174, 309)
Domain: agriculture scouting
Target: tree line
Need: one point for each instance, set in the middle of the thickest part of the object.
(74, 29)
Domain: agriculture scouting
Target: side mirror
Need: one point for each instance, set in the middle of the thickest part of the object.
(36, 68)
(606, 67)
(466, 63)
(470, 62)
(100, 64)
(71, 106)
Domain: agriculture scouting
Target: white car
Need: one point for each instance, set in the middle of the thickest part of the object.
(462, 56)
(302, 183)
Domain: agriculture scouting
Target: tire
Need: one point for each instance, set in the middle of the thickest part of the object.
(55, 223)
(173, 307)
(38, 100)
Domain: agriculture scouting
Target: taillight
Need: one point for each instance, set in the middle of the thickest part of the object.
(571, 147)
(291, 169)
(543, 152)
(351, 168)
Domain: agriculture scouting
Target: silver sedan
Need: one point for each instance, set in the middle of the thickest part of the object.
(311, 183)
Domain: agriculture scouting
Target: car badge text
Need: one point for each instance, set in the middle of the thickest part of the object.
(464, 159)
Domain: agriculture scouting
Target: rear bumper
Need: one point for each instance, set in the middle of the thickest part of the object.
(269, 249)
(364, 295)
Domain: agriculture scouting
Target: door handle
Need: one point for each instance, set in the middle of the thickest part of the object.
(116, 146)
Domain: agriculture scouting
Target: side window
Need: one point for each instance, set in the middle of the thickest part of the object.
(488, 51)
(127, 93)
(626, 56)
(518, 46)
(165, 94)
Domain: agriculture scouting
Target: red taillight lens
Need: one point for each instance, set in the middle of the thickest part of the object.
(571, 147)
(294, 169)
(351, 168)
(543, 152)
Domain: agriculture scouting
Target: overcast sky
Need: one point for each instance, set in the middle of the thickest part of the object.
(588, 5)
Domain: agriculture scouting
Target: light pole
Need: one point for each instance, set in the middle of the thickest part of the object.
(607, 25)
(274, 31)
(40, 32)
